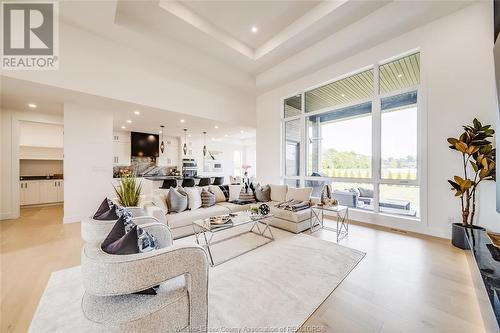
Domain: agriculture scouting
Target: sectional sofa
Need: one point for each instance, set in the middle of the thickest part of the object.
(181, 223)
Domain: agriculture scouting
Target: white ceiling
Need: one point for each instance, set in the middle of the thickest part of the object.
(237, 17)
(17, 94)
(213, 38)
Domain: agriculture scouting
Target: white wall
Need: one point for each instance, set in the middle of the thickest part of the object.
(88, 165)
(457, 84)
(9, 150)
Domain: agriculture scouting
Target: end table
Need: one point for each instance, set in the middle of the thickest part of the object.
(317, 214)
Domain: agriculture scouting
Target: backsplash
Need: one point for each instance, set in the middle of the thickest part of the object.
(140, 165)
(40, 167)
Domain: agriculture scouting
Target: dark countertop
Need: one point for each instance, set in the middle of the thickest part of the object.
(487, 258)
(40, 177)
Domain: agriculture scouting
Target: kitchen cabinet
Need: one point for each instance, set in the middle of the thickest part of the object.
(30, 192)
(121, 153)
(121, 148)
(121, 136)
(36, 192)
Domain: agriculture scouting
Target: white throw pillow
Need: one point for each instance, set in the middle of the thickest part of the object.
(302, 194)
(160, 199)
(234, 192)
(219, 195)
(194, 197)
(278, 192)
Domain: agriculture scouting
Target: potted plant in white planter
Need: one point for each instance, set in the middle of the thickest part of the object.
(128, 192)
(478, 162)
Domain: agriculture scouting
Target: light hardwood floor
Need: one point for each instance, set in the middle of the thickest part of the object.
(405, 283)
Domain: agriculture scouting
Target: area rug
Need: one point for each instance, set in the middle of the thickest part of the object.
(275, 287)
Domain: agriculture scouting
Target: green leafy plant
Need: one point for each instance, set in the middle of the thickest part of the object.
(128, 191)
(478, 161)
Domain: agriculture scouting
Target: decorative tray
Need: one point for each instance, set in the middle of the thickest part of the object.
(494, 238)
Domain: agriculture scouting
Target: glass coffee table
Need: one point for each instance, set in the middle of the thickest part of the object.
(206, 231)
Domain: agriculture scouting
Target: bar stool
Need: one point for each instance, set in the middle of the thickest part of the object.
(204, 182)
(218, 181)
(188, 182)
(168, 183)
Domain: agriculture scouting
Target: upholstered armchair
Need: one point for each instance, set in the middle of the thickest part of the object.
(109, 280)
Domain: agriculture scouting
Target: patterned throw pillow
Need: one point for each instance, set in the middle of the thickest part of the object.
(207, 199)
(246, 195)
(219, 195)
(177, 200)
(263, 194)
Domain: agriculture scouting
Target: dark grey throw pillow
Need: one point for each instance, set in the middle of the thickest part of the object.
(107, 211)
(207, 199)
(177, 200)
(127, 238)
(263, 194)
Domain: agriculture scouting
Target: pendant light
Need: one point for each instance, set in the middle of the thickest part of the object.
(162, 145)
(185, 147)
(204, 144)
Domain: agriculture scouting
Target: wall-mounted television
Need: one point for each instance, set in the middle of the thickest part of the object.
(145, 144)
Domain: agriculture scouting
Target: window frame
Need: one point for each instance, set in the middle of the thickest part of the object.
(376, 177)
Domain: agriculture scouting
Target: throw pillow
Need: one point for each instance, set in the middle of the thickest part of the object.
(207, 198)
(177, 200)
(107, 211)
(302, 194)
(225, 190)
(278, 192)
(159, 199)
(134, 240)
(194, 198)
(263, 194)
(246, 195)
(219, 195)
(364, 192)
(234, 192)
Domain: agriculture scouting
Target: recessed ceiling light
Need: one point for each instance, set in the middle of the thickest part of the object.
(216, 127)
(129, 121)
(400, 75)
(32, 105)
(137, 113)
(242, 131)
(255, 29)
(343, 95)
(123, 127)
(183, 121)
(225, 135)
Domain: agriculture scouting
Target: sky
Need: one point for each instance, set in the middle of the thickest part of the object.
(399, 134)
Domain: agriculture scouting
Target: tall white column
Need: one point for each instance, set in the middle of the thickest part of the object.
(88, 161)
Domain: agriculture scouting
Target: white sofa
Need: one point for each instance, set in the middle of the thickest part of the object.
(181, 223)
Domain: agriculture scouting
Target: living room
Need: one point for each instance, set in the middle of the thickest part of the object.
(237, 141)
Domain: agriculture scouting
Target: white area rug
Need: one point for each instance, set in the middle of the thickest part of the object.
(278, 285)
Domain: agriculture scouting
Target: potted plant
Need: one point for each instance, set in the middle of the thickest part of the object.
(478, 162)
(128, 191)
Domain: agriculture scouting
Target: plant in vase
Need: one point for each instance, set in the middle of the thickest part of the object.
(245, 168)
(478, 163)
(128, 191)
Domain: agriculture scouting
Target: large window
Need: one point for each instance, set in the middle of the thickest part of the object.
(361, 137)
